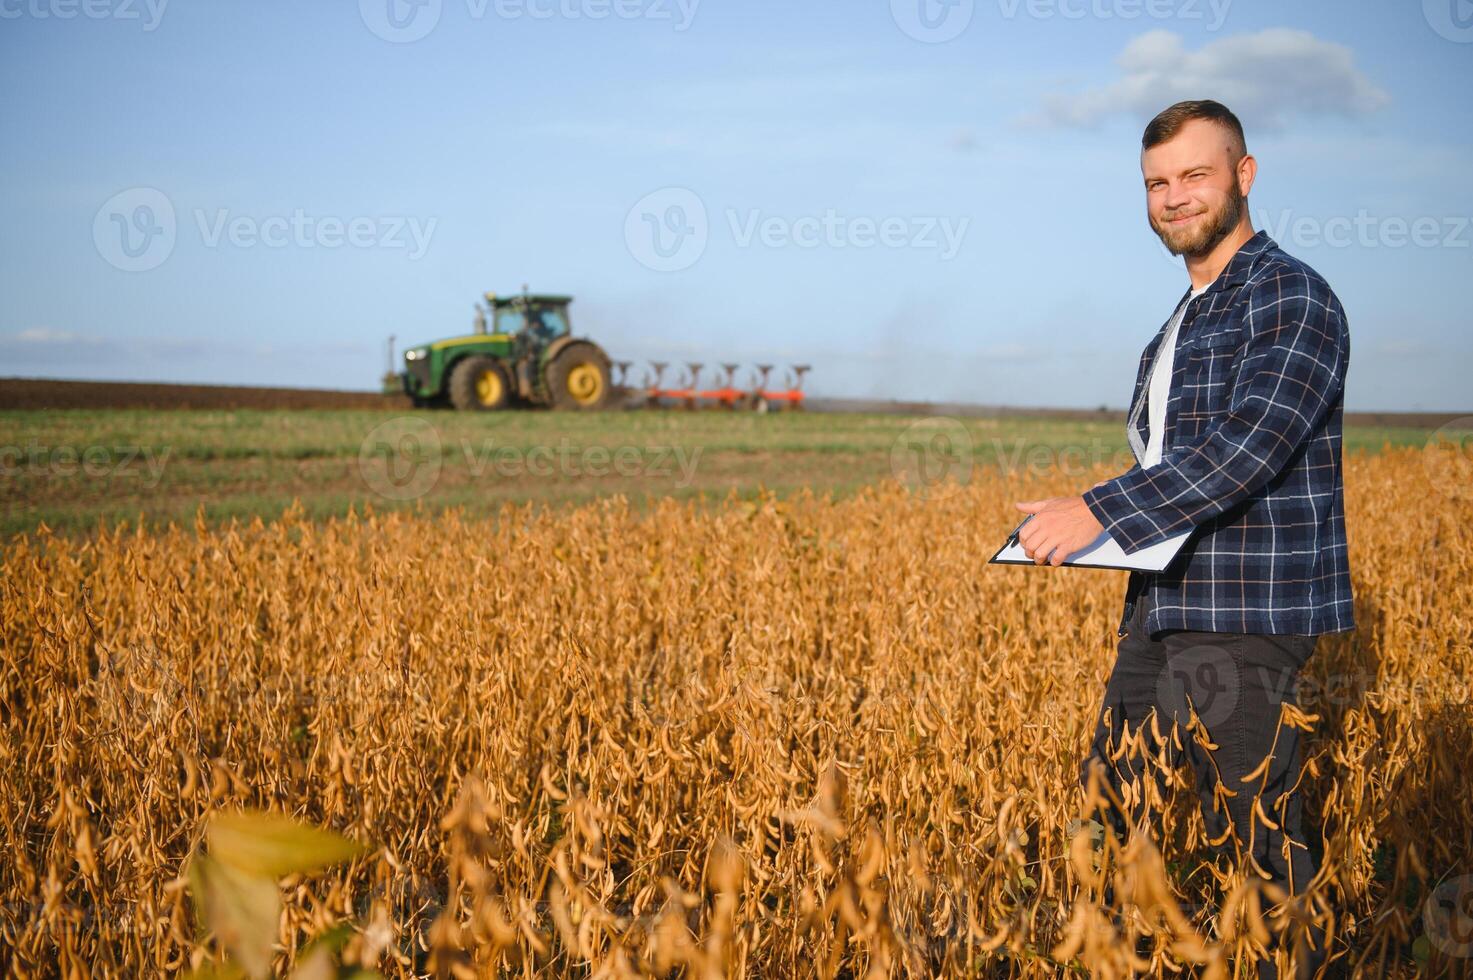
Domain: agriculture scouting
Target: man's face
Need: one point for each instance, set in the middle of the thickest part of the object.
(1193, 199)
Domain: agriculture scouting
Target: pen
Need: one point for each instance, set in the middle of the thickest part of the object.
(1013, 538)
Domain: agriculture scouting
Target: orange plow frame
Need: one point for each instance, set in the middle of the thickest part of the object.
(689, 393)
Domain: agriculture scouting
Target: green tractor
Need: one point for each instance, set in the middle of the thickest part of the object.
(527, 355)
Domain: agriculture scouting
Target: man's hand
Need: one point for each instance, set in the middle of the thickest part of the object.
(1060, 526)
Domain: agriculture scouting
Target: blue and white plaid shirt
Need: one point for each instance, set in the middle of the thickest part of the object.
(1251, 460)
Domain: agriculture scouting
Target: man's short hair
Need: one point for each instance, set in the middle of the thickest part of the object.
(1169, 121)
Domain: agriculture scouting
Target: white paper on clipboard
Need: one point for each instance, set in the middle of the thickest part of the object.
(1103, 552)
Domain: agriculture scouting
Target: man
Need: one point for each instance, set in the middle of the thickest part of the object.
(1235, 424)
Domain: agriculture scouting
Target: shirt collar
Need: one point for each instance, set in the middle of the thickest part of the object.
(1238, 267)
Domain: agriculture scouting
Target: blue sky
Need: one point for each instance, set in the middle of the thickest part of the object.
(923, 201)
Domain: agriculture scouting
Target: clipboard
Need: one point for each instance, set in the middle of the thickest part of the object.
(1103, 552)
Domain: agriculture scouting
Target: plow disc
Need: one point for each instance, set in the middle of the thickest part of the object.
(754, 392)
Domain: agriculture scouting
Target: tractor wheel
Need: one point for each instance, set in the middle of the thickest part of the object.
(479, 384)
(578, 378)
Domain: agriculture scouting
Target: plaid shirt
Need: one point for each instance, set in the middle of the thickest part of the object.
(1251, 458)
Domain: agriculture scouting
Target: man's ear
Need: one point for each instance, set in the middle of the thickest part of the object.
(1247, 170)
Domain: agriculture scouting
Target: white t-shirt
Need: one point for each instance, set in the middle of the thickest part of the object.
(1159, 386)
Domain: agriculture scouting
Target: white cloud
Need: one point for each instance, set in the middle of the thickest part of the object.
(48, 345)
(1406, 348)
(1263, 77)
(45, 335)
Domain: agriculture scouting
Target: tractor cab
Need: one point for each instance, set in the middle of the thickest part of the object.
(536, 320)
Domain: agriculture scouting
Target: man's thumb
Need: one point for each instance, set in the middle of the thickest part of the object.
(1028, 506)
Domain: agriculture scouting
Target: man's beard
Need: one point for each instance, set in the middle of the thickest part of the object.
(1203, 239)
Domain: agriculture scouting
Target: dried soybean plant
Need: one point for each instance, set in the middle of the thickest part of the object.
(798, 737)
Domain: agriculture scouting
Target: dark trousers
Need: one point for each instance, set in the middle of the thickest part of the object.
(1235, 682)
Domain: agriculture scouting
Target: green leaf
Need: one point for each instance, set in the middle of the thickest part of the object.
(272, 846)
(317, 960)
(333, 940)
(315, 964)
(242, 911)
(196, 890)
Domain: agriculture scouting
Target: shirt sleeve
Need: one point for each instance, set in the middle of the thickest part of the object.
(1289, 372)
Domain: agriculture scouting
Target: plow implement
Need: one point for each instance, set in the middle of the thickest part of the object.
(756, 394)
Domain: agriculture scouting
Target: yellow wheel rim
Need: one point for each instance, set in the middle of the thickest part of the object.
(488, 388)
(586, 384)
